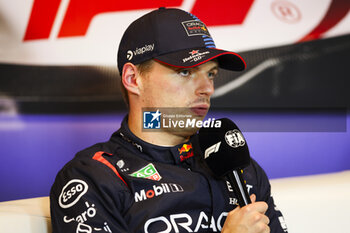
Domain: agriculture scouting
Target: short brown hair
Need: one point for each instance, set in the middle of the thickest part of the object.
(142, 69)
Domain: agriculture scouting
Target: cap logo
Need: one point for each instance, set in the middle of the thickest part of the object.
(139, 51)
(193, 52)
(195, 28)
(129, 55)
(195, 55)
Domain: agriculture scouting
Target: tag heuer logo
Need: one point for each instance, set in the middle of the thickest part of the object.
(147, 172)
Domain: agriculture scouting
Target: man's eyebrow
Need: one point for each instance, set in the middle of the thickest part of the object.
(215, 67)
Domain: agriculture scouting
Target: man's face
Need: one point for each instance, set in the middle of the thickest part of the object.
(168, 87)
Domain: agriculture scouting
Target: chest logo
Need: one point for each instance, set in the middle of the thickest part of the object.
(185, 151)
(158, 190)
(147, 172)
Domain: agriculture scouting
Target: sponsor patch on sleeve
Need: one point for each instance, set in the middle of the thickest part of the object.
(72, 192)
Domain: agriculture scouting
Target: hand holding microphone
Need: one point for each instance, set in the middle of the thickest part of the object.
(226, 154)
(249, 219)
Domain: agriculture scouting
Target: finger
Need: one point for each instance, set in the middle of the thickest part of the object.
(262, 228)
(260, 207)
(253, 198)
(265, 220)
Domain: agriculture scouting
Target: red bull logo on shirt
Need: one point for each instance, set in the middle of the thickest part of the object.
(185, 151)
(185, 148)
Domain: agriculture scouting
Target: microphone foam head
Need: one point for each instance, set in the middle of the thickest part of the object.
(224, 149)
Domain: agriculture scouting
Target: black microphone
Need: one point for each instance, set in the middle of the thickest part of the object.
(226, 153)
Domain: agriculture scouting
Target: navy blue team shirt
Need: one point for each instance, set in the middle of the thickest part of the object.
(128, 185)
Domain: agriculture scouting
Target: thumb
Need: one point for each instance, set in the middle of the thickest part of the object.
(253, 198)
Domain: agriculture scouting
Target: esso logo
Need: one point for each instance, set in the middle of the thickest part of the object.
(72, 192)
(234, 138)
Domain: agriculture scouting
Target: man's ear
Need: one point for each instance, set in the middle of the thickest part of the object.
(129, 78)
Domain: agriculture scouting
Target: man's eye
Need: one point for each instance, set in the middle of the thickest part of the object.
(212, 75)
(184, 73)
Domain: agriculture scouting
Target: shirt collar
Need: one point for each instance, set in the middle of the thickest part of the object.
(171, 155)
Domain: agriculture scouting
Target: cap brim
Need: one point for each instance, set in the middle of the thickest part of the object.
(196, 56)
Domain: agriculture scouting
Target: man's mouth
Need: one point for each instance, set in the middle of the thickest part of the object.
(200, 110)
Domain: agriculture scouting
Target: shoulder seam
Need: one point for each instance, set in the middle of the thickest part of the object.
(98, 157)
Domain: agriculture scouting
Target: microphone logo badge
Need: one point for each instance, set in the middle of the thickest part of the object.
(213, 149)
(234, 138)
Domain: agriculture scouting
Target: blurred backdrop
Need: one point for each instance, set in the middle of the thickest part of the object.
(59, 83)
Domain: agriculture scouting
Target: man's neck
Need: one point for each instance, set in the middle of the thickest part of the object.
(161, 138)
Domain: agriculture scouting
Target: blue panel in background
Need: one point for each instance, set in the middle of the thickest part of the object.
(35, 147)
(296, 144)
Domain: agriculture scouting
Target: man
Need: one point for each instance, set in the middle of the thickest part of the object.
(155, 181)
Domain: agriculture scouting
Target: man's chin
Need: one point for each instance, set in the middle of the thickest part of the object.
(185, 132)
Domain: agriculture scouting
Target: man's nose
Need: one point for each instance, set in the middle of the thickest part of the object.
(205, 86)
